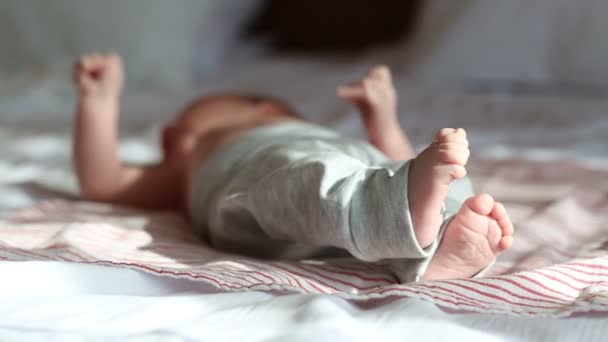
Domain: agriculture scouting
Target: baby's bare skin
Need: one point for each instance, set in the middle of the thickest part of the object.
(478, 232)
(376, 99)
(200, 129)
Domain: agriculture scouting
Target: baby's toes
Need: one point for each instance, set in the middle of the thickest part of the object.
(494, 235)
(505, 243)
(453, 152)
(443, 133)
(451, 134)
(499, 213)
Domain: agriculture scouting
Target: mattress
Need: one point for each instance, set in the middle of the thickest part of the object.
(85, 263)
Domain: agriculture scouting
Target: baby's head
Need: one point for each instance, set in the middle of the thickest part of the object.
(219, 112)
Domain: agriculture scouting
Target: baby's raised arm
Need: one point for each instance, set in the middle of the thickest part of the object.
(376, 99)
(99, 80)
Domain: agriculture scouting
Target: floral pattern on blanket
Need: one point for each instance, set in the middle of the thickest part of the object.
(558, 266)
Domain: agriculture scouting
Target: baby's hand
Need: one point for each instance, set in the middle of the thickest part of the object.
(99, 75)
(374, 95)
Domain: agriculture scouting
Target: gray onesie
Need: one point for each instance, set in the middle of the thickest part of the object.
(295, 190)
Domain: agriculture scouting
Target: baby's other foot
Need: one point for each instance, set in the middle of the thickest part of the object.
(476, 235)
(431, 173)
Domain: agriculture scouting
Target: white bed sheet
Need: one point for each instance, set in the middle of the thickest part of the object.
(73, 302)
(83, 302)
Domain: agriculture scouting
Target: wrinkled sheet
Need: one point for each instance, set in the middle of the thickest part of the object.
(68, 300)
(559, 265)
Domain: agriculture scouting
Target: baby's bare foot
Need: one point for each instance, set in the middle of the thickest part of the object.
(431, 173)
(475, 236)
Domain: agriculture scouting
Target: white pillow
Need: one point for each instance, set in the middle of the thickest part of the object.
(548, 41)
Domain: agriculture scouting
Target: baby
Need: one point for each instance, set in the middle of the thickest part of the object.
(253, 178)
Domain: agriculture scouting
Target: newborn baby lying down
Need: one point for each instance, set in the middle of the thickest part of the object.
(253, 178)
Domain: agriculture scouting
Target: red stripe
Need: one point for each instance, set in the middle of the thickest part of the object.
(230, 276)
(312, 284)
(600, 267)
(287, 274)
(493, 306)
(571, 276)
(307, 277)
(220, 283)
(454, 294)
(248, 272)
(136, 261)
(124, 259)
(542, 273)
(277, 274)
(416, 293)
(299, 277)
(269, 276)
(431, 295)
(500, 288)
(242, 279)
(336, 269)
(336, 280)
(543, 286)
(282, 276)
(595, 274)
(525, 288)
(465, 296)
(290, 275)
(451, 300)
(139, 263)
(490, 295)
(132, 256)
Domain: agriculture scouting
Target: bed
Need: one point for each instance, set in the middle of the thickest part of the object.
(75, 270)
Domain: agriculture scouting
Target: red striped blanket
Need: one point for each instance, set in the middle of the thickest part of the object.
(160, 244)
(559, 265)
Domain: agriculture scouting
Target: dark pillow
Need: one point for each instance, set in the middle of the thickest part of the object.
(332, 25)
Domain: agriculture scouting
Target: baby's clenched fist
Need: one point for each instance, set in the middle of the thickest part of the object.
(99, 75)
